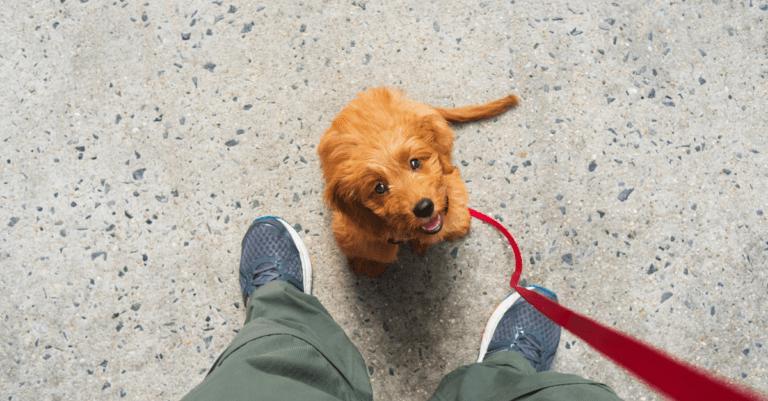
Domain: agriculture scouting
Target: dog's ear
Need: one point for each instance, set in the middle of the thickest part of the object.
(445, 163)
(438, 133)
(345, 199)
(342, 191)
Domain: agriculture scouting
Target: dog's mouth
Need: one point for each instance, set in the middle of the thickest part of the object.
(434, 226)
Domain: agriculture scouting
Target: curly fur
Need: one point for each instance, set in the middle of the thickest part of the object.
(372, 141)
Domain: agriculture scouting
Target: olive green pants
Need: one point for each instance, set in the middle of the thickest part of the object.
(291, 349)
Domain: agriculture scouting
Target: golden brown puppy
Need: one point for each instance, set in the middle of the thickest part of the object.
(389, 178)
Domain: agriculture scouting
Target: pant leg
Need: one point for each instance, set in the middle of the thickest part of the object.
(289, 349)
(507, 375)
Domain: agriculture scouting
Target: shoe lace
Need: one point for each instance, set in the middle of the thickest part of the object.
(266, 272)
(529, 346)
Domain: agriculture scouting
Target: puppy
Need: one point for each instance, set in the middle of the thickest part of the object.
(389, 178)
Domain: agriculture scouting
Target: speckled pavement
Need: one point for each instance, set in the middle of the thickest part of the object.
(138, 140)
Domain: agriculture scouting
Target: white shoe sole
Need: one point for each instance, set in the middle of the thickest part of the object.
(306, 266)
(494, 320)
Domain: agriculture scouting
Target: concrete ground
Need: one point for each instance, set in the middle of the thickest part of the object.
(138, 140)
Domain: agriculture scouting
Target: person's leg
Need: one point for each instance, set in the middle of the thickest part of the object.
(290, 347)
(516, 352)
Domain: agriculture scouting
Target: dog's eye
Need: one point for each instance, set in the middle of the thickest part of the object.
(415, 164)
(380, 188)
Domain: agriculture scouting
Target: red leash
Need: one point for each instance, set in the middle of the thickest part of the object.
(661, 371)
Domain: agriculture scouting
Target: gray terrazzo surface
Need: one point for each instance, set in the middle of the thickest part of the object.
(139, 139)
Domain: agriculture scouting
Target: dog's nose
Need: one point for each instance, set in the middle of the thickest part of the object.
(424, 208)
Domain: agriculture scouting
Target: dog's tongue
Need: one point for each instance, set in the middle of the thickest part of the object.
(432, 224)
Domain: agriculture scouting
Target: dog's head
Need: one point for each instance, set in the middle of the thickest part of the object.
(383, 160)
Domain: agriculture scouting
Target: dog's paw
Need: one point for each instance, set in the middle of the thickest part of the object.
(369, 267)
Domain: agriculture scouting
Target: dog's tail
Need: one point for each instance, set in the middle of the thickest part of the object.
(472, 113)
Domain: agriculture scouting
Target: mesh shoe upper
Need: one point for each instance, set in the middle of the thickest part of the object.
(525, 330)
(268, 253)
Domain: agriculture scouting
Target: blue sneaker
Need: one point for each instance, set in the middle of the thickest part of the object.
(516, 325)
(272, 250)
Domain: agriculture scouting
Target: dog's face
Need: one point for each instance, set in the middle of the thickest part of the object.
(401, 181)
(384, 160)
